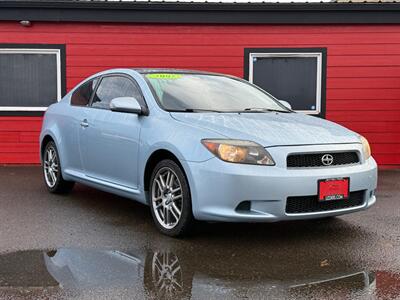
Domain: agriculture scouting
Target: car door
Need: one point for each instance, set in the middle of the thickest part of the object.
(109, 139)
(80, 101)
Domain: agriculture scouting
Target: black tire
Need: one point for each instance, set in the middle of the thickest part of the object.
(60, 186)
(186, 220)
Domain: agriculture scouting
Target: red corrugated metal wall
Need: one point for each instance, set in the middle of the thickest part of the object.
(363, 76)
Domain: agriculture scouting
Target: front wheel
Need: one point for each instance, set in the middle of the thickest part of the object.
(171, 205)
(53, 179)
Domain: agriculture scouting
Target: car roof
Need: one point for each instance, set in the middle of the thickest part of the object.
(172, 70)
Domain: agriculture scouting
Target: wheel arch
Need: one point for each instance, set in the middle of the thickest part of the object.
(157, 156)
(46, 138)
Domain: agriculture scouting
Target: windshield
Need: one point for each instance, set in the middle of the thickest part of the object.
(198, 92)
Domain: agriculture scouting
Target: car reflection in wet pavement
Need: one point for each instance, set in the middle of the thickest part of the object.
(88, 273)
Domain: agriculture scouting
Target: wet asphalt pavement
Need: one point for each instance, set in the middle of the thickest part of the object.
(94, 245)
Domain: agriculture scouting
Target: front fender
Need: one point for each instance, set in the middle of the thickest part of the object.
(181, 139)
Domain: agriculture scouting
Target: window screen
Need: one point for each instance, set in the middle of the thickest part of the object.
(292, 79)
(293, 76)
(81, 95)
(113, 87)
(28, 79)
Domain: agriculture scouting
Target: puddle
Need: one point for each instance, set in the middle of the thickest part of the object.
(90, 273)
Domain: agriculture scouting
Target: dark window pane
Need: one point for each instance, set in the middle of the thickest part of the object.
(81, 96)
(293, 79)
(28, 79)
(113, 87)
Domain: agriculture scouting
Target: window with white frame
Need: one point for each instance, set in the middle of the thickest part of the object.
(30, 78)
(294, 75)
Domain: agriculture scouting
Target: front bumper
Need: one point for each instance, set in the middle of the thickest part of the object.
(218, 187)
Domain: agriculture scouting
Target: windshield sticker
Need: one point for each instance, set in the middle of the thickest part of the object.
(164, 76)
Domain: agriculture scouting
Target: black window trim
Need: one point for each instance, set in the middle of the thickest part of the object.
(62, 69)
(145, 108)
(321, 51)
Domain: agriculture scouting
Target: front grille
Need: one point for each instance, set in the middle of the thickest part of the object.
(308, 160)
(308, 204)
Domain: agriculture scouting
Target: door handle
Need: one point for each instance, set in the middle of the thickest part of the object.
(84, 123)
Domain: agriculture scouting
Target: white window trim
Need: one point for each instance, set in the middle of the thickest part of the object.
(57, 52)
(317, 55)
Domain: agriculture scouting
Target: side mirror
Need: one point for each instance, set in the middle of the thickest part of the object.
(126, 104)
(285, 104)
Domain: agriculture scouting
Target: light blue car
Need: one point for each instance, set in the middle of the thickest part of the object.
(203, 146)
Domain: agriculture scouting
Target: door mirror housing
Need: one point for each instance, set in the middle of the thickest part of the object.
(126, 104)
(286, 104)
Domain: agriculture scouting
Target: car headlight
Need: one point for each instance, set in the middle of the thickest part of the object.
(238, 151)
(366, 147)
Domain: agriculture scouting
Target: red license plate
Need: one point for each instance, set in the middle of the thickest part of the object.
(333, 189)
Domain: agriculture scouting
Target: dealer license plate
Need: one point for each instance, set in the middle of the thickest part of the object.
(333, 189)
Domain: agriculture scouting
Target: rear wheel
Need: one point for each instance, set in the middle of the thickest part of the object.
(171, 204)
(53, 179)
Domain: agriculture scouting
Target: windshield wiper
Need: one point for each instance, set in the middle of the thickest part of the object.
(258, 109)
(250, 110)
(194, 110)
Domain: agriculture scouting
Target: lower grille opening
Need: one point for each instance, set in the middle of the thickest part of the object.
(308, 204)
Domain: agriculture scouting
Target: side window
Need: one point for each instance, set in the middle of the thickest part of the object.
(115, 86)
(81, 96)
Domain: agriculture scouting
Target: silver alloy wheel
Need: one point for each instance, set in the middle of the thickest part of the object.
(167, 275)
(50, 165)
(167, 198)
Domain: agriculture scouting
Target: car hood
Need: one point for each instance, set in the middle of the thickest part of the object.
(271, 129)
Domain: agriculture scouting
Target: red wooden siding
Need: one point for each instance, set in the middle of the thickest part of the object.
(363, 76)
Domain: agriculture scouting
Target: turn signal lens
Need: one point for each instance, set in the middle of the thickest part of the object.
(238, 151)
(366, 147)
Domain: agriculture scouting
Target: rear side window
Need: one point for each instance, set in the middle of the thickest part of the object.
(113, 87)
(81, 96)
